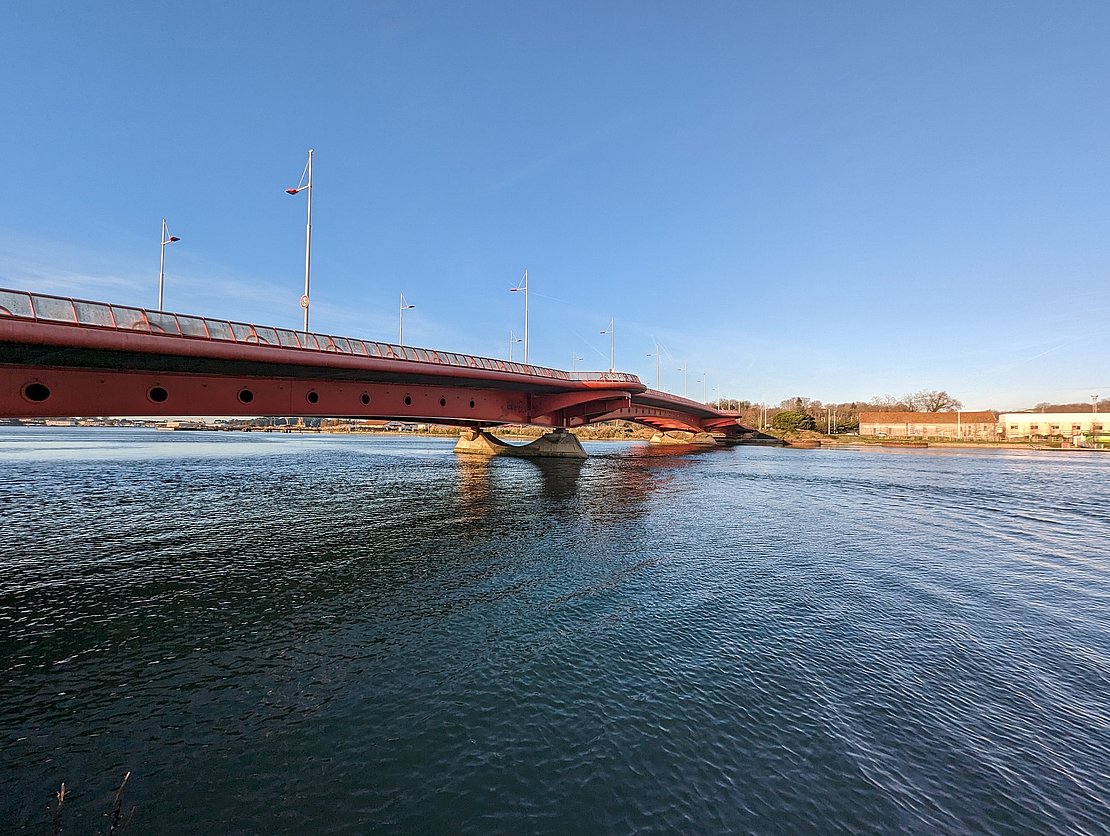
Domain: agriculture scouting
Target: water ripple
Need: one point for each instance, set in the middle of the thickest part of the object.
(350, 635)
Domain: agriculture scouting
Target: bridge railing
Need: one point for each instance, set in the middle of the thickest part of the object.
(614, 377)
(79, 312)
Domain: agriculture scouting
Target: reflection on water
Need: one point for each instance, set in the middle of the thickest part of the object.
(560, 477)
(323, 634)
(474, 488)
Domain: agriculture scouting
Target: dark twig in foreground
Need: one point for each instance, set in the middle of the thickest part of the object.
(115, 827)
(60, 797)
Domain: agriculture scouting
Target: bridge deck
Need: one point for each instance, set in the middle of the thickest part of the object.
(70, 357)
(37, 328)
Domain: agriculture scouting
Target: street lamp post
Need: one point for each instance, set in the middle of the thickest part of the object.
(704, 380)
(612, 332)
(166, 239)
(513, 338)
(655, 354)
(306, 183)
(574, 358)
(522, 286)
(1094, 403)
(401, 319)
(684, 369)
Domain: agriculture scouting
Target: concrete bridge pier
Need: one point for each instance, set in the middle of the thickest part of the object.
(556, 444)
(683, 438)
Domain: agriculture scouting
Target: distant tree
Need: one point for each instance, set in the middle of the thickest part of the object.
(796, 403)
(887, 403)
(931, 401)
(793, 420)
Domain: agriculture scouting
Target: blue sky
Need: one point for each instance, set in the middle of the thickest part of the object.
(835, 200)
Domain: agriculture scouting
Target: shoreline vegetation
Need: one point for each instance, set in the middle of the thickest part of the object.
(613, 431)
(807, 438)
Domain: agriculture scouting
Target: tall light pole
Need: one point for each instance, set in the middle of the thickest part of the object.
(655, 354)
(522, 287)
(574, 358)
(1094, 398)
(612, 332)
(166, 239)
(306, 183)
(400, 319)
(704, 380)
(513, 338)
(684, 369)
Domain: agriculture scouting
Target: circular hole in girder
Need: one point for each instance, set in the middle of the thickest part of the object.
(365, 399)
(443, 401)
(157, 394)
(472, 404)
(408, 401)
(36, 392)
(246, 396)
(313, 396)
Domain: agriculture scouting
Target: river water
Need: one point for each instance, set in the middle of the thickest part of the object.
(324, 634)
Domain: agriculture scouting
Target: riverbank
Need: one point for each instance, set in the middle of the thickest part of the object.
(813, 439)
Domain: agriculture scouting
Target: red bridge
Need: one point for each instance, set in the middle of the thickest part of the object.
(64, 357)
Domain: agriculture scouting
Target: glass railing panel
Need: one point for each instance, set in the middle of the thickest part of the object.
(162, 323)
(53, 308)
(342, 345)
(130, 319)
(219, 330)
(358, 347)
(15, 304)
(266, 336)
(93, 313)
(288, 338)
(242, 333)
(192, 326)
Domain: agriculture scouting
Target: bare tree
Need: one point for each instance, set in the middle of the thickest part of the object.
(931, 401)
(887, 403)
(796, 403)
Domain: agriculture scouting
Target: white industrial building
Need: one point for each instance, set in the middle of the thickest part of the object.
(1017, 426)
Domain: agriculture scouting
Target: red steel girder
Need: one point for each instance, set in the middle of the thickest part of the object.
(51, 393)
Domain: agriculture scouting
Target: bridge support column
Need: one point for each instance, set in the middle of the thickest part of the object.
(704, 439)
(556, 444)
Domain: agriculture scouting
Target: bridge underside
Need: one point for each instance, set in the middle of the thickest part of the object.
(674, 421)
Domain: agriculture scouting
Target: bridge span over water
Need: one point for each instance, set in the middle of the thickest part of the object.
(62, 357)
